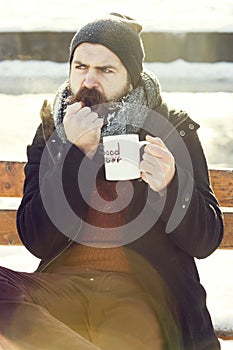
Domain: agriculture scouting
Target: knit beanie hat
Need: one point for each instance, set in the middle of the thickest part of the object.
(121, 35)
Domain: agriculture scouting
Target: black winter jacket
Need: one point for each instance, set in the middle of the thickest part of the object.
(187, 222)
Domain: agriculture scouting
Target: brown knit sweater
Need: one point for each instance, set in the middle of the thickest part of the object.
(110, 214)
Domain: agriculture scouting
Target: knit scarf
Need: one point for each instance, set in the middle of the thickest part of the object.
(124, 117)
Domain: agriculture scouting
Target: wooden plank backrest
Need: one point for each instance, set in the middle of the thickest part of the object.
(11, 179)
(11, 185)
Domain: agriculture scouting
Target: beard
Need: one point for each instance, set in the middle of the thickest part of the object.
(94, 98)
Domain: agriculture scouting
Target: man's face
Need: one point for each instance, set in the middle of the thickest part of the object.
(96, 67)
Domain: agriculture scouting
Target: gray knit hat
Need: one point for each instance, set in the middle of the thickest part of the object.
(121, 35)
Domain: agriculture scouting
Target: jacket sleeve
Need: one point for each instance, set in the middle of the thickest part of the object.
(53, 205)
(191, 213)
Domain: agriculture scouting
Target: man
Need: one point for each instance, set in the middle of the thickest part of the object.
(117, 258)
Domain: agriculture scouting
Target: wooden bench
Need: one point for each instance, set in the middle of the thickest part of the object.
(11, 185)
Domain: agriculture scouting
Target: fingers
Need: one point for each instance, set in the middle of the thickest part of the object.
(153, 166)
(84, 115)
(148, 164)
(156, 150)
(157, 165)
(156, 147)
(98, 123)
(155, 141)
(156, 183)
(73, 109)
(77, 109)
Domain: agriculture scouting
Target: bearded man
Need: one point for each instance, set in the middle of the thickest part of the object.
(117, 264)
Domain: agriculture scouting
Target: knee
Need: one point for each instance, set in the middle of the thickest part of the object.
(9, 289)
(8, 292)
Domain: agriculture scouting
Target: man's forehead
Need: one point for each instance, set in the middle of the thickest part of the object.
(96, 53)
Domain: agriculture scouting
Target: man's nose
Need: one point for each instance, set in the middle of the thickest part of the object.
(90, 80)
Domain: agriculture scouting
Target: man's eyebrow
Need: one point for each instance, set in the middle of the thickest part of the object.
(77, 62)
(109, 66)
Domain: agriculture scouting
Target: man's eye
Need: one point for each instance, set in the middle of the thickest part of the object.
(106, 70)
(79, 66)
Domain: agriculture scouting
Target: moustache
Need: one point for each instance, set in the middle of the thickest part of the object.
(89, 97)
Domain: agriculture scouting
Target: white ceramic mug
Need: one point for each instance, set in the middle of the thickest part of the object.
(122, 156)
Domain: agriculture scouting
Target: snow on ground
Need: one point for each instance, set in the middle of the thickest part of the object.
(155, 15)
(215, 272)
(226, 345)
(18, 77)
(18, 258)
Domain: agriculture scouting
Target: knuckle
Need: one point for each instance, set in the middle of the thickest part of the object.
(94, 114)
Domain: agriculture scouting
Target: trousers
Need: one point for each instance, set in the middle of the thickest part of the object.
(87, 310)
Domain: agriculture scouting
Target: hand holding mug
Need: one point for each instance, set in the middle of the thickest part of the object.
(157, 165)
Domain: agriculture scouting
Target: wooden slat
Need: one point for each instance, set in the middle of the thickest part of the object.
(8, 231)
(227, 242)
(225, 334)
(222, 184)
(11, 179)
